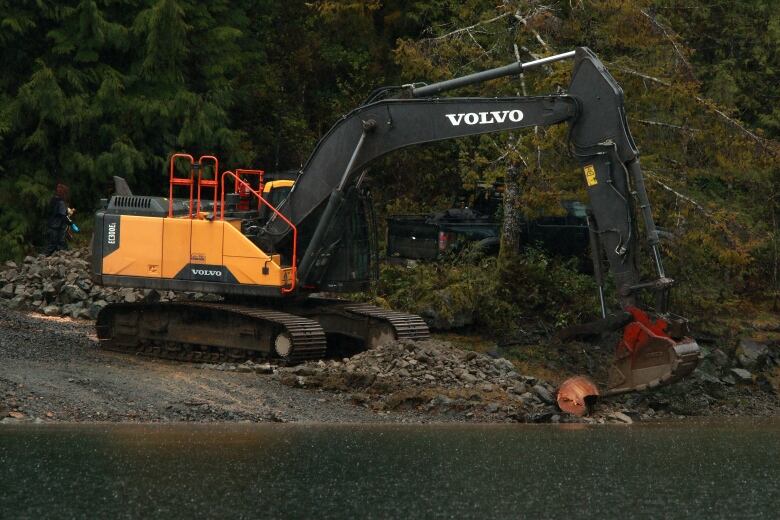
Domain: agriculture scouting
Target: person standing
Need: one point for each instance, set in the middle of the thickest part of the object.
(58, 220)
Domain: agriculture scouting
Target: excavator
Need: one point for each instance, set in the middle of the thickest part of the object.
(271, 259)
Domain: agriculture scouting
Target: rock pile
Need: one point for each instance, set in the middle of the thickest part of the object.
(60, 285)
(436, 378)
(431, 377)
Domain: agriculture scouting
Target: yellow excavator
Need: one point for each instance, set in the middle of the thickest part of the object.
(269, 246)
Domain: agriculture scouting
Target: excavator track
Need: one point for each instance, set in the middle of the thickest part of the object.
(209, 332)
(406, 326)
(215, 332)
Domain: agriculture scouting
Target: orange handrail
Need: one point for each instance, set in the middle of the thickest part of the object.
(260, 198)
(209, 183)
(181, 181)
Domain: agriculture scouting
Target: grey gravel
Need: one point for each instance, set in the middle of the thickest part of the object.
(51, 369)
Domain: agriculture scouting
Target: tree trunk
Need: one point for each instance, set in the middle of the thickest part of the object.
(774, 256)
(510, 230)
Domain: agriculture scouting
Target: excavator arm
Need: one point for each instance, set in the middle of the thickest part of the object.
(376, 129)
(599, 138)
(388, 125)
(655, 348)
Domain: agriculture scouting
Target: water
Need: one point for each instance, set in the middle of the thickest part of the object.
(357, 471)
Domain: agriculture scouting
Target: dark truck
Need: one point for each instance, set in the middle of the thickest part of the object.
(428, 237)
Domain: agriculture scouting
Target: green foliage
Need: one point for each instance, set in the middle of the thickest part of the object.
(500, 299)
(96, 88)
(689, 84)
(109, 88)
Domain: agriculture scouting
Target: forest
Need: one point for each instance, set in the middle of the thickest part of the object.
(98, 88)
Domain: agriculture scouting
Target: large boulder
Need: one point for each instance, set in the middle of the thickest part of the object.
(49, 291)
(7, 291)
(52, 310)
(72, 293)
(742, 375)
(544, 394)
(16, 302)
(751, 354)
(74, 310)
(96, 307)
(85, 284)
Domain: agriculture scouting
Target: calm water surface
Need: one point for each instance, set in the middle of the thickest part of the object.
(706, 470)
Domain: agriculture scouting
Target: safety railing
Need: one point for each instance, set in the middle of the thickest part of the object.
(244, 185)
(180, 181)
(191, 182)
(208, 183)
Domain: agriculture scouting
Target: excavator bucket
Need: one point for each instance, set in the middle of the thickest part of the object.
(648, 356)
(651, 352)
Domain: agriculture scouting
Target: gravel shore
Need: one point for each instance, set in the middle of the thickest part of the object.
(52, 369)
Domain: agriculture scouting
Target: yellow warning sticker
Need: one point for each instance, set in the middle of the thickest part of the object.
(590, 175)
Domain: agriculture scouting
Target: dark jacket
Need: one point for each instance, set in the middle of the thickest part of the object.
(58, 213)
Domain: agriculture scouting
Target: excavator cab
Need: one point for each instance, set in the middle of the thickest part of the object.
(276, 191)
(348, 259)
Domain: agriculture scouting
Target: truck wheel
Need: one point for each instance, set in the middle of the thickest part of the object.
(489, 246)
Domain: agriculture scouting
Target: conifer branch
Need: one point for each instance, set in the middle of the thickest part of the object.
(524, 20)
(665, 125)
(767, 144)
(671, 39)
(457, 32)
(484, 52)
(654, 177)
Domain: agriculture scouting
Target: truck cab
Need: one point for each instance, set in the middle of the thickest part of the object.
(475, 219)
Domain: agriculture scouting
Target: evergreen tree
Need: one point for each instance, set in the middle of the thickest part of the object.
(96, 88)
